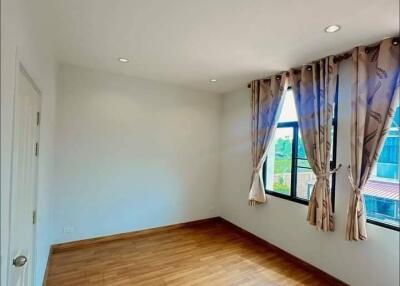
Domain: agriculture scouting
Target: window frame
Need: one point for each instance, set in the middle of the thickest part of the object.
(293, 179)
(382, 224)
(333, 163)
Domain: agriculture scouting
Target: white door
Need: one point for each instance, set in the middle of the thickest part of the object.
(24, 180)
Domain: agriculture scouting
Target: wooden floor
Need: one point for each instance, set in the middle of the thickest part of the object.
(211, 253)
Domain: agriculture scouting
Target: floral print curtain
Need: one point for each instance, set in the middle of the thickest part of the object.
(314, 88)
(373, 96)
(266, 103)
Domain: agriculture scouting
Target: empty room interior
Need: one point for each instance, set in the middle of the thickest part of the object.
(200, 142)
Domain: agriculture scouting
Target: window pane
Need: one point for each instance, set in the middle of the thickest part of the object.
(381, 193)
(305, 182)
(305, 176)
(279, 162)
(288, 113)
(301, 153)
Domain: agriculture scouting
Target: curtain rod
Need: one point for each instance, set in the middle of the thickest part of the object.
(342, 56)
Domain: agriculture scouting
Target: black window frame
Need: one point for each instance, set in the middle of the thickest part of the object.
(382, 224)
(293, 180)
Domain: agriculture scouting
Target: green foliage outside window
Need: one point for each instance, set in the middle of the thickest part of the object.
(283, 156)
(280, 186)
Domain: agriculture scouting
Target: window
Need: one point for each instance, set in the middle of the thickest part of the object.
(287, 173)
(381, 193)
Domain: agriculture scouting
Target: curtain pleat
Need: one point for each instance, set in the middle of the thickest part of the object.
(373, 97)
(314, 88)
(266, 103)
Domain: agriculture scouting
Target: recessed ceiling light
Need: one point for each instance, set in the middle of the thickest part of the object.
(332, 28)
(213, 80)
(123, 60)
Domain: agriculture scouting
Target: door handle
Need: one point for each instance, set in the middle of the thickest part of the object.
(20, 261)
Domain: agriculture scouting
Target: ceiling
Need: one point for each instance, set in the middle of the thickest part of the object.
(187, 42)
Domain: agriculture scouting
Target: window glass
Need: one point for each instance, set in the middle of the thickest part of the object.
(279, 162)
(286, 170)
(288, 113)
(305, 176)
(381, 193)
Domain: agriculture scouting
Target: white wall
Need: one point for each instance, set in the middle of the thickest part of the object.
(24, 26)
(283, 223)
(131, 154)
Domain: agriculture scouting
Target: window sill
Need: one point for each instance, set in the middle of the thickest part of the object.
(392, 227)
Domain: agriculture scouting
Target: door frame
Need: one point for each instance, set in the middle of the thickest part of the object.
(20, 67)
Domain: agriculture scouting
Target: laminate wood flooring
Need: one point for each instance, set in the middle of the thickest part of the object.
(209, 253)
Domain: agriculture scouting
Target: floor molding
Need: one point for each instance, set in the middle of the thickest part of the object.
(289, 256)
(87, 242)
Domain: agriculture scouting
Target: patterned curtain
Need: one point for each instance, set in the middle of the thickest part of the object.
(375, 79)
(314, 89)
(266, 103)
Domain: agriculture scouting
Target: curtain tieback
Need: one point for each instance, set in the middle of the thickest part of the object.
(356, 189)
(327, 174)
(257, 169)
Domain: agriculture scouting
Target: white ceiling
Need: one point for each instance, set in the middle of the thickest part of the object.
(187, 42)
